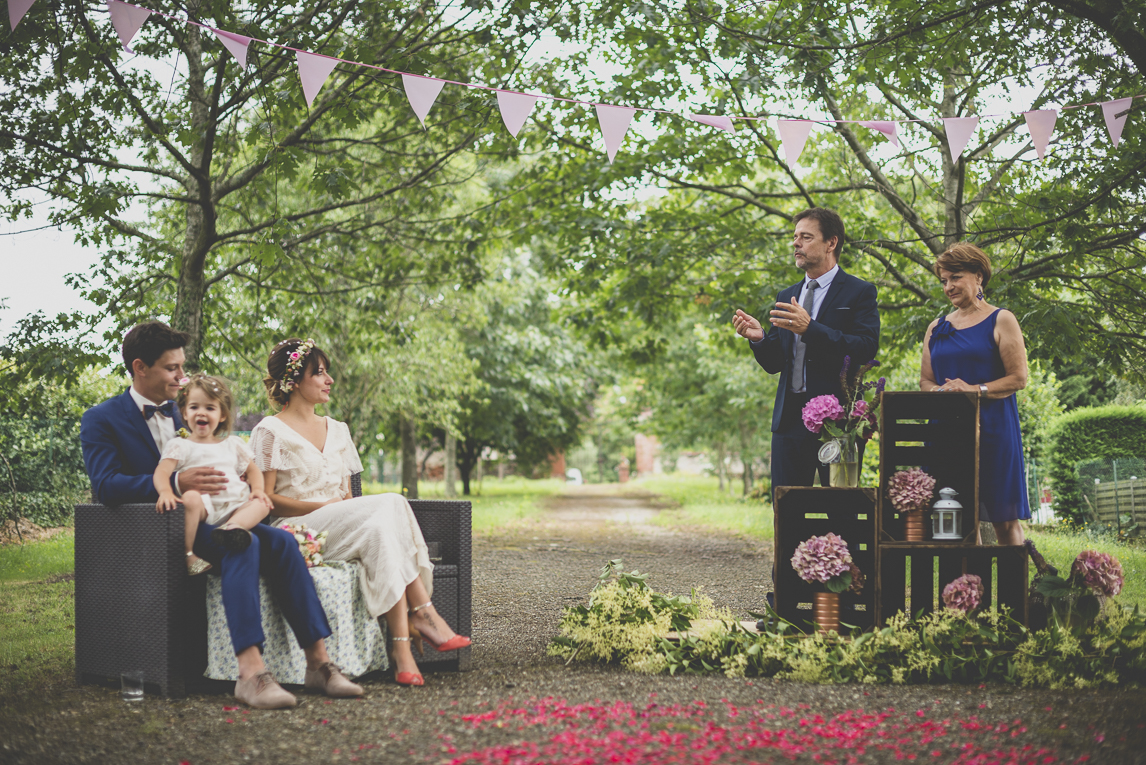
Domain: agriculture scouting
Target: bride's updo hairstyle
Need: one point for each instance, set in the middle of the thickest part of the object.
(288, 362)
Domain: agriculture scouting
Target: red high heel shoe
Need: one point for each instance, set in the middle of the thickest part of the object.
(453, 644)
(405, 678)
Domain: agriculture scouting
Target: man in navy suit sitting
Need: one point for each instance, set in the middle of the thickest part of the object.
(122, 439)
(828, 315)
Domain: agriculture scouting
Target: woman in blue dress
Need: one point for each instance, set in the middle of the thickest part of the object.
(979, 349)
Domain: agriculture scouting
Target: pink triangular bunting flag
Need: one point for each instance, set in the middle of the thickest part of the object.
(716, 121)
(615, 122)
(313, 71)
(887, 128)
(421, 92)
(1115, 114)
(793, 136)
(1040, 123)
(515, 109)
(127, 19)
(237, 44)
(959, 131)
(16, 11)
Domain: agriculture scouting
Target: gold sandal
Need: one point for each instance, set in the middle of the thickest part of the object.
(197, 566)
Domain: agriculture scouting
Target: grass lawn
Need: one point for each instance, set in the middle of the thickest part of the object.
(37, 616)
(703, 504)
(496, 503)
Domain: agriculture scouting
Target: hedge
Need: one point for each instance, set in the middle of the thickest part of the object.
(1090, 433)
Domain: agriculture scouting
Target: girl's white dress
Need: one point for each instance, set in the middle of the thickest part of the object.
(231, 456)
(379, 531)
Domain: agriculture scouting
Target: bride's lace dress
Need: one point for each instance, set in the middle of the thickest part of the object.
(379, 531)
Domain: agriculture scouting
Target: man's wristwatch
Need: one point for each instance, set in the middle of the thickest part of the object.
(982, 391)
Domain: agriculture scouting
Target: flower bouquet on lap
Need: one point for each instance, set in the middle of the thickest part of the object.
(843, 422)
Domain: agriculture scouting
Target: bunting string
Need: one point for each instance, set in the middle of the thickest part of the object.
(422, 91)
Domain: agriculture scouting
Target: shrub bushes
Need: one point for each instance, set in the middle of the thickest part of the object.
(1093, 432)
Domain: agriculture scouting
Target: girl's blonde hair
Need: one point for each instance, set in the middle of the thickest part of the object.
(216, 390)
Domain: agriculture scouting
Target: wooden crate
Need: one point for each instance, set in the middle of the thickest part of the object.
(803, 512)
(938, 432)
(934, 566)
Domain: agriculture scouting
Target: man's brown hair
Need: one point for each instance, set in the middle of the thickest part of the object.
(148, 341)
(831, 224)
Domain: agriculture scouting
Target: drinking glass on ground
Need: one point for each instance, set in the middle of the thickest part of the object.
(131, 685)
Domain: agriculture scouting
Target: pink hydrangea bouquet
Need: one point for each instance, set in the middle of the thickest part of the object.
(847, 416)
(1100, 572)
(825, 560)
(964, 594)
(910, 491)
(310, 542)
(1076, 602)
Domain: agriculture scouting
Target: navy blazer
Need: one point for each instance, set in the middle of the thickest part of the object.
(120, 454)
(847, 325)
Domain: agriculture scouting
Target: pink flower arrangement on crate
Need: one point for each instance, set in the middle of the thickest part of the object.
(825, 560)
(1099, 571)
(310, 542)
(910, 491)
(848, 416)
(964, 594)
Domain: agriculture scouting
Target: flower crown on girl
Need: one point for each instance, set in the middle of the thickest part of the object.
(294, 365)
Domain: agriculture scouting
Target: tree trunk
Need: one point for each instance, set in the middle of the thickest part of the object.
(200, 232)
(470, 451)
(954, 225)
(407, 428)
(720, 465)
(451, 465)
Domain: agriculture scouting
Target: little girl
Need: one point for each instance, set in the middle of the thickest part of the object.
(207, 408)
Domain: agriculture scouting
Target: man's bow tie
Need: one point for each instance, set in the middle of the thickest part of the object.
(167, 409)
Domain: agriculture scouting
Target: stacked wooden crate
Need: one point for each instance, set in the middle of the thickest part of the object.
(938, 432)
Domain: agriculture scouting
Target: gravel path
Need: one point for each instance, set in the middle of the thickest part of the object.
(522, 580)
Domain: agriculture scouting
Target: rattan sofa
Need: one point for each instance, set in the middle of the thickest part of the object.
(136, 608)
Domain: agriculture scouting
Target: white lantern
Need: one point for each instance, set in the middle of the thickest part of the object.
(946, 518)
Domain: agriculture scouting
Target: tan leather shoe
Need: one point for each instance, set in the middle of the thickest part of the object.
(328, 679)
(262, 691)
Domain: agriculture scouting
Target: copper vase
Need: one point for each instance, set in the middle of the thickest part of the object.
(826, 609)
(913, 527)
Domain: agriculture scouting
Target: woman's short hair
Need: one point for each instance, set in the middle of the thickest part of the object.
(277, 374)
(217, 390)
(964, 256)
(150, 340)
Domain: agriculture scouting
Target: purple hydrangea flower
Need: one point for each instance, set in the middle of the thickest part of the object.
(821, 408)
(1099, 571)
(964, 594)
(911, 490)
(821, 559)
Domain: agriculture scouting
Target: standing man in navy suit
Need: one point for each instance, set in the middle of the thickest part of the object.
(830, 314)
(122, 439)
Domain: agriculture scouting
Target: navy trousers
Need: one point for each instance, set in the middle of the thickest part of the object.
(794, 448)
(273, 554)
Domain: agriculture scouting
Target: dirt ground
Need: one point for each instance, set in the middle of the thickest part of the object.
(522, 580)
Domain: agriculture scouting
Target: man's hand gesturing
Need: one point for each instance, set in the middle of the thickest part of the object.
(748, 327)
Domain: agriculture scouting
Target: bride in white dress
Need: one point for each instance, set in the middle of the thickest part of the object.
(307, 461)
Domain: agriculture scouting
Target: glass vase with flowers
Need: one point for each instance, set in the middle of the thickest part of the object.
(846, 421)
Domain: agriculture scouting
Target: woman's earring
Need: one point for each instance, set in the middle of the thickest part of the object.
(980, 295)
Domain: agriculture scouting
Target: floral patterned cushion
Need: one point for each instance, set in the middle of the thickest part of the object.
(357, 644)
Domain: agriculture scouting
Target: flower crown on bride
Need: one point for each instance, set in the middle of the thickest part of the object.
(294, 365)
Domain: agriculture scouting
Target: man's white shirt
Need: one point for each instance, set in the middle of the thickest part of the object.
(161, 426)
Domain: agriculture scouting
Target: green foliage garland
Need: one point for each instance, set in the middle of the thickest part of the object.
(627, 622)
(1101, 431)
